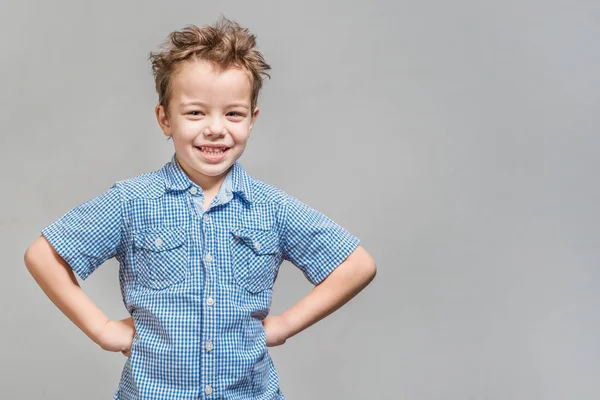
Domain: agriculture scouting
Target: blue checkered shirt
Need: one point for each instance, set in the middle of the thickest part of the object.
(198, 283)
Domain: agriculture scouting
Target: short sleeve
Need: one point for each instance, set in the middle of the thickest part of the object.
(313, 242)
(90, 233)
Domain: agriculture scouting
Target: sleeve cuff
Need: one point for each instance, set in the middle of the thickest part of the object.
(79, 265)
(345, 249)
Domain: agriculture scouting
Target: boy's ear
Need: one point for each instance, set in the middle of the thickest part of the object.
(254, 116)
(163, 119)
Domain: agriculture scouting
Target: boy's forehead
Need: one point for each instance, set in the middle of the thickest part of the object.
(202, 81)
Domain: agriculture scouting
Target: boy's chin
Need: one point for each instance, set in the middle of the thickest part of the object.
(214, 169)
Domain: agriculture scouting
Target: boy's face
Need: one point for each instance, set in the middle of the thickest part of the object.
(208, 110)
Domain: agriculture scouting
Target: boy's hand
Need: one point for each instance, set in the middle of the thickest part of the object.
(276, 330)
(118, 336)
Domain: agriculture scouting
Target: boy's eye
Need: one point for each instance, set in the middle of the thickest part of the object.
(234, 113)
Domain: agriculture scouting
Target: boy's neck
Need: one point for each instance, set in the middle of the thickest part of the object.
(210, 184)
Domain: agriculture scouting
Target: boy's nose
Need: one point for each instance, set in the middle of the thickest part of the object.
(214, 127)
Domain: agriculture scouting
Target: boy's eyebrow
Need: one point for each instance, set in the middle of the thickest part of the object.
(199, 103)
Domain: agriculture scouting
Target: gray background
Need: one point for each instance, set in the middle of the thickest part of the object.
(459, 140)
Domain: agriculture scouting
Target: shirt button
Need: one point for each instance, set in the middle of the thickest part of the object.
(208, 258)
(158, 242)
(206, 218)
(194, 190)
(208, 346)
(208, 389)
(210, 301)
(257, 245)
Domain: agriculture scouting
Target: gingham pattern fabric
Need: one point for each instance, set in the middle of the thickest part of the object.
(198, 283)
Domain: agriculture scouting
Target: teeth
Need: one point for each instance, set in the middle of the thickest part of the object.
(211, 150)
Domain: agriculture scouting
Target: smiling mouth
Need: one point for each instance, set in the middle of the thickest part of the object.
(212, 150)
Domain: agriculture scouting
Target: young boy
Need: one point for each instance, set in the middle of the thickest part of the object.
(199, 241)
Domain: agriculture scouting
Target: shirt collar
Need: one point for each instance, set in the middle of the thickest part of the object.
(236, 181)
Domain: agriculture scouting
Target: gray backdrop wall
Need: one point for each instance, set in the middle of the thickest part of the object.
(459, 140)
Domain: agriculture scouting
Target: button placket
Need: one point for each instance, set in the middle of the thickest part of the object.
(209, 329)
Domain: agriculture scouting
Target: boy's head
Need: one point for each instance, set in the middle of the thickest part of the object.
(208, 80)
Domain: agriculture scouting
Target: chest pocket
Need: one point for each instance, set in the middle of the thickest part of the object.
(255, 258)
(160, 256)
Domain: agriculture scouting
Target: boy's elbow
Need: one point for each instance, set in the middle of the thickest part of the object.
(31, 256)
(366, 262)
(371, 268)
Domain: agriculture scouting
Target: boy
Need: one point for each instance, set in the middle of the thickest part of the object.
(199, 242)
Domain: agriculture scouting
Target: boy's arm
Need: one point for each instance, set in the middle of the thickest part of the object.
(341, 285)
(57, 280)
(330, 257)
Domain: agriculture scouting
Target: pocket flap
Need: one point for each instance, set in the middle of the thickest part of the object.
(261, 241)
(159, 238)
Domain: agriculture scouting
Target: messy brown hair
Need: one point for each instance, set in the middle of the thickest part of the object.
(226, 44)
